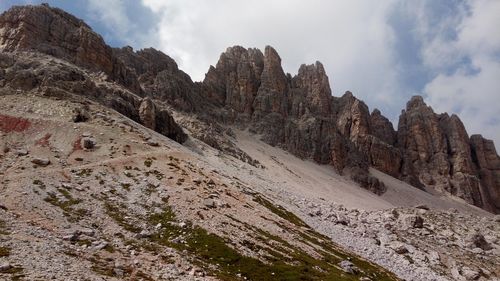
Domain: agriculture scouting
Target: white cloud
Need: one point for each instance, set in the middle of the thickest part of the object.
(113, 15)
(475, 98)
(352, 39)
(110, 13)
(471, 91)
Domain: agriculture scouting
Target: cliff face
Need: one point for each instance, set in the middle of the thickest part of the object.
(248, 88)
(299, 114)
(54, 32)
(438, 153)
(31, 35)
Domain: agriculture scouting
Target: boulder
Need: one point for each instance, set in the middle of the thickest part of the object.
(477, 240)
(88, 142)
(147, 113)
(348, 267)
(40, 161)
(209, 203)
(409, 221)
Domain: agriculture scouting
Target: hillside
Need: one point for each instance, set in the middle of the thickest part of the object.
(115, 165)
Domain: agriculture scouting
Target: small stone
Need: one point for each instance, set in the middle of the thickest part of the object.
(21, 152)
(210, 203)
(477, 240)
(411, 221)
(87, 231)
(343, 220)
(88, 143)
(101, 245)
(470, 274)
(5, 267)
(143, 234)
(152, 143)
(348, 267)
(40, 161)
(399, 248)
(422, 207)
(72, 237)
(477, 251)
(80, 115)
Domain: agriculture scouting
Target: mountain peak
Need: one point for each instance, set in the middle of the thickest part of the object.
(415, 102)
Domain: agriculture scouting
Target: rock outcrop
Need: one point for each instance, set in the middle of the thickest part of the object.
(235, 80)
(147, 113)
(487, 163)
(161, 78)
(295, 113)
(299, 114)
(51, 52)
(438, 153)
(54, 32)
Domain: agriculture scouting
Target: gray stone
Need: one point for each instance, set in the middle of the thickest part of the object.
(411, 221)
(477, 240)
(5, 266)
(22, 152)
(40, 161)
(152, 143)
(348, 267)
(209, 203)
(88, 142)
(470, 274)
(422, 207)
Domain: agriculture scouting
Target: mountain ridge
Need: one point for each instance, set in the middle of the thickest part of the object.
(252, 174)
(249, 88)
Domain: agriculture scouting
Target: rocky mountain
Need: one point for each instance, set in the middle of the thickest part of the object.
(299, 115)
(249, 88)
(117, 158)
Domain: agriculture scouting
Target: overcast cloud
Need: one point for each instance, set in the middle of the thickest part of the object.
(383, 51)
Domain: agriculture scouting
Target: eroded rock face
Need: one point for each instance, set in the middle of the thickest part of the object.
(311, 93)
(487, 162)
(438, 153)
(42, 74)
(249, 88)
(235, 80)
(161, 78)
(57, 33)
(294, 113)
(147, 113)
(272, 95)
(382, 128)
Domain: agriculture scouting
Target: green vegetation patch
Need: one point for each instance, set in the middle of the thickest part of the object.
(74, 214)
(280, 211)
(284, 262)
(40, 184)
(159, 175)
(83, 172)
(105, 268)
(117, 213)
(3, 227)
(148, 162)
(125, 186)
(4, 251)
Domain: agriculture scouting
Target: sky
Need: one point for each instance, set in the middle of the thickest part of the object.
(384, 51)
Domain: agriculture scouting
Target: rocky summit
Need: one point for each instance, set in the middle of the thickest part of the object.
(115, 165)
